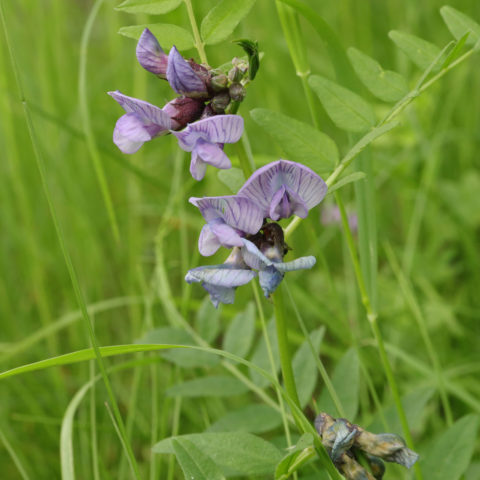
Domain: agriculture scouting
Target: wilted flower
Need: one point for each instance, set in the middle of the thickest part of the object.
(228, 220)
(284, 188)
(220, 281)
(267, 257)
(343, 439)
(205, 140)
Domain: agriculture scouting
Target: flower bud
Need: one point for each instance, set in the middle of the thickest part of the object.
(220, 102)
(219, 82)
(183, 110)
(235, 74)
(237, 92)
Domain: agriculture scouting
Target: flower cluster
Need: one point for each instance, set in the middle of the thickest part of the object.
(344, 440)
(240, 222)
(198, 117)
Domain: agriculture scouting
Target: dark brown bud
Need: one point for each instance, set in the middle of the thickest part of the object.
(183, 110)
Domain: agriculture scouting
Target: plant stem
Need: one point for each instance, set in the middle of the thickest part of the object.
(199, 45)
(283, 347)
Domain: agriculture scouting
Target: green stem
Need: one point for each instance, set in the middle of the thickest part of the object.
(243, 158)
(283, 348)
(66, 254)
(372, 318)
(271, 359)
(199, 45)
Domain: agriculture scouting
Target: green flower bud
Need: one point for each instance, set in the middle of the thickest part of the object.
(220, 102)
(237, 92)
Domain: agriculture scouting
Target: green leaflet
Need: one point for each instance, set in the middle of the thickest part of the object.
(166, 34)
(289, 460)
(420, 52)
(459, 24)
(239, 335)
(237, 453)
(151, 7)
(305, 366)
(195, 463)
(347, 110)
(346, 381)
(384, 84)
(220, 22)
(212, 386)
(451, 452)
(252, 418)
(300, 142)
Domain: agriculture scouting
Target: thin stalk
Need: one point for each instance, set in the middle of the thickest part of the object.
(411, 301)
(283, 348)
(263, 322)
(61, 239)
(372, 318)
(93, 423)
(243, 158)
(298, 53)
(14, 456)
(321, 368)
(199, 45)
(87, 127)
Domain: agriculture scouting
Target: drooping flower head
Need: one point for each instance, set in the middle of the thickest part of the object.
(228, 219)
(205, 140)
(284, 188)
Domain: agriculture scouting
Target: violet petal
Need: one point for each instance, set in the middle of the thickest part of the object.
(150, 54)
(150, 113)
(269, 278)
(208, 243)
(302, 184)
(197, 167)
(212, 154)
(130, 133)
(181, 76)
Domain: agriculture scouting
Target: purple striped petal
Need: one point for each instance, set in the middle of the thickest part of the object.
(238, 212)
(217, 129)
(150, 54)
(150, 113)
(212, 154)
(303, 188)
(130, 133)
(253, 257)
(181, 76)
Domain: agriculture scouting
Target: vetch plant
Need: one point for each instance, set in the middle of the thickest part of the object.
(266, 344)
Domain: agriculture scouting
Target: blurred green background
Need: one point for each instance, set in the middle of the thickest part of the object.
(432, 158)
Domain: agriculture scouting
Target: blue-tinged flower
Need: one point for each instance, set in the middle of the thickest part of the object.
(284, 188)
(228, 219)
(269, 262)
(150, 54)
(220, 281)
(141, 122)
(205, 140)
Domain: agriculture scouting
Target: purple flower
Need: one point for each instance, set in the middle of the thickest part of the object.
(284, 188)
(150, 54)
(228, 220)
(270, 264)
(205, 140)
(220, 281)
(142, 122)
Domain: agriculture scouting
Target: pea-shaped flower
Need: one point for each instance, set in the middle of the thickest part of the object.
(205, 140)
(228, 219)
(284, 188)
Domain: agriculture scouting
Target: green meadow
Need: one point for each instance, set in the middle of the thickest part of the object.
(384, 330)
